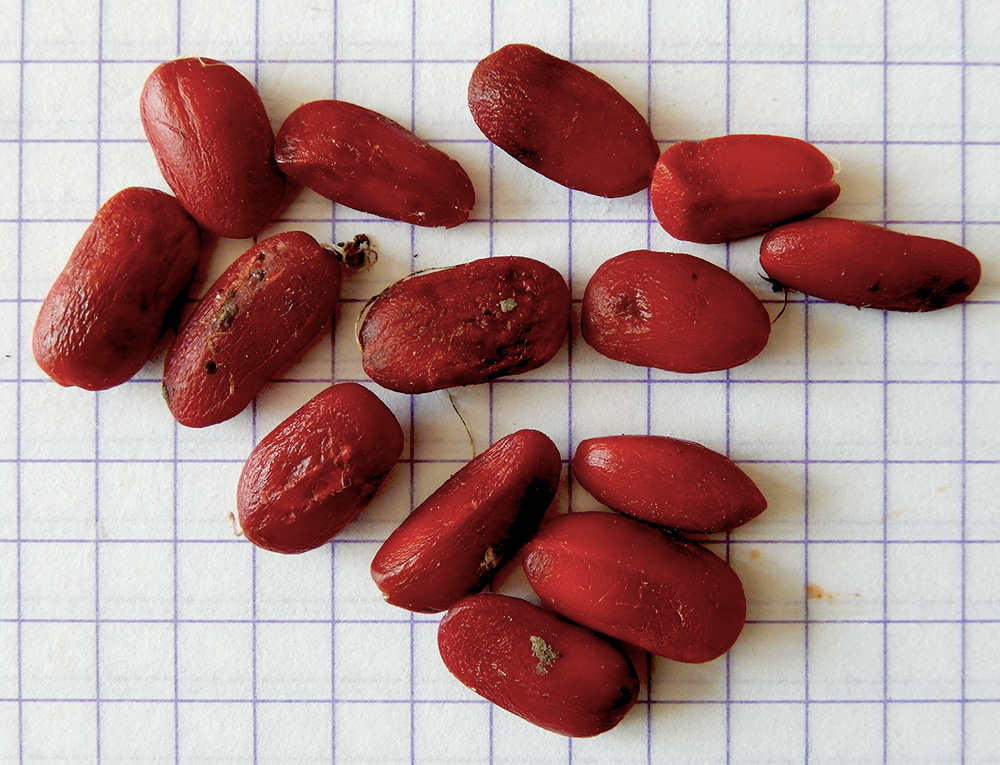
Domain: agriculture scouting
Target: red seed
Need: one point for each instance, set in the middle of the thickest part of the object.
(672, 311)
(673, 483)
(314, 473)
(464, 325)
(622, 578)
(458, 538)
(363, 160)
(736, 186)
(562, 121)
(214, 144)
(554, 674)
(869, 266)
(257, 316)
(108, 309)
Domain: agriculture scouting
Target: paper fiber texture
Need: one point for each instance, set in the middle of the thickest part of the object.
(135, 627)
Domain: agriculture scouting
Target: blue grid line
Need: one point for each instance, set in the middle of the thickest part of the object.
(491, 711)
(19, 490)
(361, 222)
(648, 678)
(335, 72)
(176, 521)
(378, 540)
(727, 377)
(431, 620)
(550, 381)
(805, 426)
(963, 101)
(413, 247)
(97, 401)
(445, 700)
(254, 436)
(569, 355)
(554, 220)
(885, 398)
(483, 142)
(479, 702)
(790, 62)
(459, 461)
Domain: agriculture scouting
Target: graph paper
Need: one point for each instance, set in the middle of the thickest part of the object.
(136, 627)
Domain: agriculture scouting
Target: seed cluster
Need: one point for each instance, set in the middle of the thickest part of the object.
(630, 575)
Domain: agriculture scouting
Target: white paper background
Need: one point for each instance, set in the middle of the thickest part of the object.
(135, 627)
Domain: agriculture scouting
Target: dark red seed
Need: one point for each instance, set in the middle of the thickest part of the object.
(859, 264)
(361, 159)
(314, 473)
(673, 483)
(736, 186)
(459, 537)
(562, 121)
(257, 317)
(464, 325)
(214, 144)
(554, 674)
(108, 309)
(672, 311)
(631, 581)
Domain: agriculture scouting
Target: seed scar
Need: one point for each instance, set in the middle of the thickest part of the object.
(490, 560)
(545, 654)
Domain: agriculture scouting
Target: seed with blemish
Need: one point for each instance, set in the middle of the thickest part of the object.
(446, 328)
(484, 641)
(453, 543)
(244, 331)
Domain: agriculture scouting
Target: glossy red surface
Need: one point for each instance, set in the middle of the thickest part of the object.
(214, 144)
(673, 483)
(364, 160)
